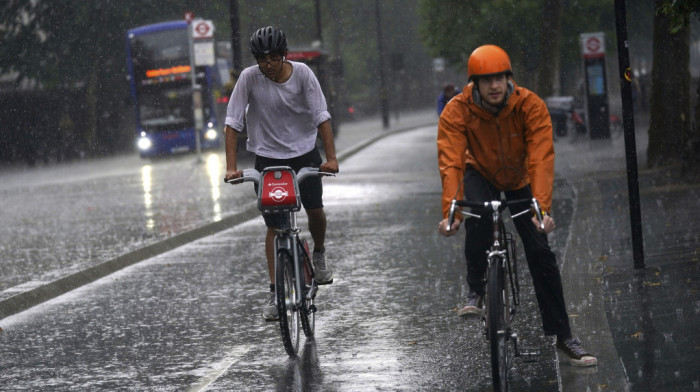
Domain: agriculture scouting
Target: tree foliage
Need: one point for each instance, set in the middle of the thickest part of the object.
(349, 34)
(678, 13)
(80, 45)
(453, 29)
(672, 136)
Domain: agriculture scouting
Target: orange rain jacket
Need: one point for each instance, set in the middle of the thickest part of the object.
(511, 149)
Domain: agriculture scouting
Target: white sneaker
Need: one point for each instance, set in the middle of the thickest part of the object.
(324, 274)
(473, 307)
(270, 308)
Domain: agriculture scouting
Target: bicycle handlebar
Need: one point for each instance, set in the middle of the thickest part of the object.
(252, 175)
(249, 175)
(494, 206)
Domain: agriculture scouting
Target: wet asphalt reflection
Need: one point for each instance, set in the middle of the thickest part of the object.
(190, 319)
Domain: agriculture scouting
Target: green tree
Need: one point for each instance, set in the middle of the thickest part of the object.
(80, 45)
(349, 33)
(530, 31)
(670, 120)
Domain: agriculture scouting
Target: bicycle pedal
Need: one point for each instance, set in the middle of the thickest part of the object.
(529, 354)
(312, 309)
(310, 292)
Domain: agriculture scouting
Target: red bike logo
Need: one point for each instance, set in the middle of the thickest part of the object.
(278, 194)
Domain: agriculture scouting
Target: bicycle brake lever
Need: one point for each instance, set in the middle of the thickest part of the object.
(234, 181)
(538, 212)
(248, 175)
(451, 216)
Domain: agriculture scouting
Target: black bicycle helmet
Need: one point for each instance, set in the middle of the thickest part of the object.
(268, 40)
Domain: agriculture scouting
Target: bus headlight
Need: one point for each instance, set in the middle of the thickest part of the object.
(211, 134)
(144, 143)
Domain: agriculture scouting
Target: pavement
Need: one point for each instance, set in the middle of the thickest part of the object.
(653, 313)
(640, 323)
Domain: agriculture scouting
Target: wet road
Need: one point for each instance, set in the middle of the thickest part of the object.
(63, 219)
(190, 319)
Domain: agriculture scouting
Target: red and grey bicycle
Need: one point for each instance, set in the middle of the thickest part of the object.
(295, 283)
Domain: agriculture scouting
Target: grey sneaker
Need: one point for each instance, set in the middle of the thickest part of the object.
(473, 306)
(571, 347)
(270, 309)
(324, 274)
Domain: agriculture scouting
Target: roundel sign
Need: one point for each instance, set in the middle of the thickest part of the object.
(593, 45)
(203, 29)
(278, 194)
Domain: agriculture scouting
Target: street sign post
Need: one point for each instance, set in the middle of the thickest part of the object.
(593, 51)
(201, 42)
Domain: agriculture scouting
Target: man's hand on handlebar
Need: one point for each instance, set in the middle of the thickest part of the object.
(548, 223)
(442, 227)
(233, 174)
(329, 167)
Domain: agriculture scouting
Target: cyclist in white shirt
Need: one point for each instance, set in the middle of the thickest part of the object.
(286, 110)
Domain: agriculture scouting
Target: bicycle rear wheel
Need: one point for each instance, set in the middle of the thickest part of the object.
(496, 313)
(287, 297)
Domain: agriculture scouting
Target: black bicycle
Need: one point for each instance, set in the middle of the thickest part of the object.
(295, 282)
(502, 283)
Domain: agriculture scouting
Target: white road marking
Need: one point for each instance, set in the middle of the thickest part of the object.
(220, 368)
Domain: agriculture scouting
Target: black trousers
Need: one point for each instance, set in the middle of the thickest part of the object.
(540, 258)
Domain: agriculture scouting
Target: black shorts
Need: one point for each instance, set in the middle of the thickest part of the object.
(311, 190)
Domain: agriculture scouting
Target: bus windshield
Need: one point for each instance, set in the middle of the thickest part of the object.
(165, 109)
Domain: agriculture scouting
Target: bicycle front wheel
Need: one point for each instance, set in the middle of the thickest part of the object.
(496, 314)
(287, 298)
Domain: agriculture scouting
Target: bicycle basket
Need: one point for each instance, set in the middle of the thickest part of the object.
(279, 190)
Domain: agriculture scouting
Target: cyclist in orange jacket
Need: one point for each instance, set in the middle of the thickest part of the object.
(496, 136)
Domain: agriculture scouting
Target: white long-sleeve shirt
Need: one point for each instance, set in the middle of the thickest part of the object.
(282, 118)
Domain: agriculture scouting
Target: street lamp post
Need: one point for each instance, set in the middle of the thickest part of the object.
(383, 94)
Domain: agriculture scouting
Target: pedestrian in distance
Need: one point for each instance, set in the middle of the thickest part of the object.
(286, 111)
(497, 137)
(448, 92)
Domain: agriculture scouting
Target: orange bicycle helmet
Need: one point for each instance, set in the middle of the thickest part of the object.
(487, 60)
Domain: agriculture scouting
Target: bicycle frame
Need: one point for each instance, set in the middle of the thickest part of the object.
(498, 255)
(501, 264)
(287, 239)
